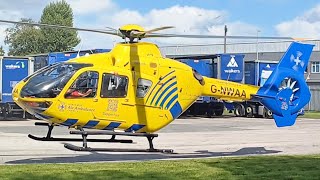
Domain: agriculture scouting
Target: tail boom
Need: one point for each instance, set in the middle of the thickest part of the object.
(227, 90)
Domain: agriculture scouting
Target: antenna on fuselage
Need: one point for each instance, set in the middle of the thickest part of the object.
(78, 54)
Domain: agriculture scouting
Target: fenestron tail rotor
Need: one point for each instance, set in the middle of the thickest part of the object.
(289, 83)
(133, 31)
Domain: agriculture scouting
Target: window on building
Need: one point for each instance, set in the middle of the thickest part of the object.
(306, 70)
(315, 67)
(114, 86)
(85, 86)
(143, 87)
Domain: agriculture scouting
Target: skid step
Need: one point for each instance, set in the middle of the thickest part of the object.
(113, 133)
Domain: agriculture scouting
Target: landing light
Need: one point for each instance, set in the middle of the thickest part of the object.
(37, 105)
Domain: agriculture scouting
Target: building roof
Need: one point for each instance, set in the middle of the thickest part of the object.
(243, 48)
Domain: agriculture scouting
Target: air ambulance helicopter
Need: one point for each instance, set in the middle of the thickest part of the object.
(135, 89)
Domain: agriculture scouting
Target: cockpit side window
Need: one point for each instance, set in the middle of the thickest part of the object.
(114, 86)
(143, 87)
(49, 81)
(85, 86)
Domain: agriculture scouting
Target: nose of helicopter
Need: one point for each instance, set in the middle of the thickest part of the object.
(15, 93)
(30, 104)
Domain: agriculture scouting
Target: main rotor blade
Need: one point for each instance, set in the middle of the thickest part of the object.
(159, 28)
(142, 33)
(221, 37)
(63, 27)
(149, 33)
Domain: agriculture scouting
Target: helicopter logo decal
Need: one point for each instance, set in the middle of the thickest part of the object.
(298, 62)
(62, 107)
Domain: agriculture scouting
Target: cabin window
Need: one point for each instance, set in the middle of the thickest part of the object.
(85, 86)
(315, 67)
(114, 86)
(143, 87)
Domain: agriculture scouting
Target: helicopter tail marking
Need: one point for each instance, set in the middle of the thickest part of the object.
(285, 91)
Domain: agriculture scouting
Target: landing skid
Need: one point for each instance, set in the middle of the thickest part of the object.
(85, 140)
(50, 138)
(78, 148)
(85, 147)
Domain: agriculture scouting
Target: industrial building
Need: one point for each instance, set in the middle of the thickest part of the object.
(261, 51)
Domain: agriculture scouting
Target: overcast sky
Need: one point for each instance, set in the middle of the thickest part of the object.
(243, 17)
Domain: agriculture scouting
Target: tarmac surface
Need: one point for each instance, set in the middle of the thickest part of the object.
(188, 137)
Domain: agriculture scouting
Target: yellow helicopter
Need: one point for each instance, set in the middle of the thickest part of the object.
(135, 89)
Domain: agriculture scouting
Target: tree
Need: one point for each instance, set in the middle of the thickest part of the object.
(1, 51)
(57, 40)
(23, 39)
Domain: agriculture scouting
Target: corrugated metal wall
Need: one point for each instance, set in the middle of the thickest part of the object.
(231, 48)
(314, 104)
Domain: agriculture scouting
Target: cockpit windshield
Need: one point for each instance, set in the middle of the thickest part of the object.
(49, 82)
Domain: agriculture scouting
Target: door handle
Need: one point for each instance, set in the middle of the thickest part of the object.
(95, 100)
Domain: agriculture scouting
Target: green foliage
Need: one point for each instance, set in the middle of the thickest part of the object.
(24, 39)
(311, 115)
(1, 51)
(257, 167)
(57, 40)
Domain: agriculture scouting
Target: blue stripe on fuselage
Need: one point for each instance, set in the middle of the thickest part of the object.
(70, 122)
(171, 101)
(158, 83)
(176, 110)
(174, 83)
(112, 125)
(135, 127)
(165, 83)
(91, 124)
(168, 95)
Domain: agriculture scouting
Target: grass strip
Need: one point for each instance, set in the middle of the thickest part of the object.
(252, 167)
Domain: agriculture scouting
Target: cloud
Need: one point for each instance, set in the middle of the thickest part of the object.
(12, 15)
(94, 6)
(128, 17)
(306, 25)
(186, 20)
(100, 14)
